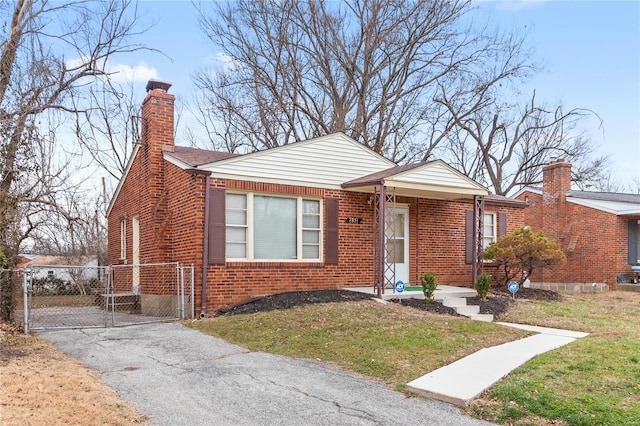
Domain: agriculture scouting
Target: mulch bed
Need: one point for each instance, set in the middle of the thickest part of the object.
(498, 301)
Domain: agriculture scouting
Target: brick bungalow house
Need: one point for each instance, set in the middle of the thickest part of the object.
(598, 231)
(326, 213)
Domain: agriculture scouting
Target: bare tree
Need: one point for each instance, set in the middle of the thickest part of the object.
(504, 145)
(107, 126)
(48, 52)
(293, 70)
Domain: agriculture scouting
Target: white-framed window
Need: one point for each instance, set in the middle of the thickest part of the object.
(123, 238)
(270, 227)
(489, 232)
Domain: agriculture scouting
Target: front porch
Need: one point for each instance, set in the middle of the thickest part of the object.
(442, 292)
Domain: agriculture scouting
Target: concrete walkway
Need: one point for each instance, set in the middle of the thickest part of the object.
(464, 380)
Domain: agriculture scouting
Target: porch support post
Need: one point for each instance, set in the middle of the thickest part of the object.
(379, 253)
(478, 227)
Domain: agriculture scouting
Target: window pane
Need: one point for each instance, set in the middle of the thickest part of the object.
(236, 251)
(398, 246)
(310, 237)
(235, 217)
(311, 222)
(311, 252)
(236, 235)
(489, 226)
(397, 225)
(236, 201)
(310, 207)
(274, 234)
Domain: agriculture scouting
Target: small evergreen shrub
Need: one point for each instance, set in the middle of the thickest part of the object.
(483, 285)
(429, 283)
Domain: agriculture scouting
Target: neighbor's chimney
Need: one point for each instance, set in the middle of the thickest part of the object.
(556, 183)
(556, 178)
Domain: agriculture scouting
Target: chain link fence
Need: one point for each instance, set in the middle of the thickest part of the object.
(60, 296)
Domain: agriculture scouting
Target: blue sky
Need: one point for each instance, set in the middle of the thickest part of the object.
(590, 50)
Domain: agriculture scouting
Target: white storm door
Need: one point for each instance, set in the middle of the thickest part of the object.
(397, 245)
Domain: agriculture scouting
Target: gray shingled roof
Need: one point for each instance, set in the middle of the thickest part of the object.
(606, 196)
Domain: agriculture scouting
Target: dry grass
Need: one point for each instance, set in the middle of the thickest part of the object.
(41, 386)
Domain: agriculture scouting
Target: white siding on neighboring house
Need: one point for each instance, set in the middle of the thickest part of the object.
(325, 162)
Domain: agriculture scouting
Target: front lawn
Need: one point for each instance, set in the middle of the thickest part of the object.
(593, 381)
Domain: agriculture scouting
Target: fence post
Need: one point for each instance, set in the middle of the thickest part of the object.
(182, 315)
(25, 302)
(191, 295)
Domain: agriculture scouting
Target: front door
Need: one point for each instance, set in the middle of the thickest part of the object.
(397, 245)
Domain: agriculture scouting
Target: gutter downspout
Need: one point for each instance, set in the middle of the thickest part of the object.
(205, 250)
(205, 239)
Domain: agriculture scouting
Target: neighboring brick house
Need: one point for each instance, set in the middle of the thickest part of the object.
(598, 231)
(326, 213)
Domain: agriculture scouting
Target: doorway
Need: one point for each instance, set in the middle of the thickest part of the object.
(397, 245)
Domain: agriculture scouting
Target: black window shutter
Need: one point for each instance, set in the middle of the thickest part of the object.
(633, 241)
(332, 231)
(502, 224)
(468, 232)
(216, 226)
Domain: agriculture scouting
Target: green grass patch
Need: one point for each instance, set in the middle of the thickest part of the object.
(593, 381)
(388, 342)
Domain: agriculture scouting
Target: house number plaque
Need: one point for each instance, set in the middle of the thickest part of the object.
(354, 220)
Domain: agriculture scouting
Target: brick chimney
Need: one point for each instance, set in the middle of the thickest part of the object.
(157, 136)
(556, 179)
(157, 115)
(556, 183)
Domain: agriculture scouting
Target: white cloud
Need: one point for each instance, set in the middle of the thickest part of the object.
(120, 73)
(517, 5)
(126, 73)
(225, 61)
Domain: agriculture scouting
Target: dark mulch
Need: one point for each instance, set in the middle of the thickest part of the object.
(291, 300)
(498, 301)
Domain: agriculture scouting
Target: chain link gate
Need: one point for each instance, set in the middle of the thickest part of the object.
(104, 296)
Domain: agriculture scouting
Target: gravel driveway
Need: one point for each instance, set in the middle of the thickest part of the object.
(178, 376)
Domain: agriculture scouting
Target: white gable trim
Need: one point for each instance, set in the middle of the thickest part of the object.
(297, 145)
(527, 189)
(325, 162)
(116, 193)
(468, 182)
(178, 163)
(617, 208)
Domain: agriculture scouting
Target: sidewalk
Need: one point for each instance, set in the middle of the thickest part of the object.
(464, 380)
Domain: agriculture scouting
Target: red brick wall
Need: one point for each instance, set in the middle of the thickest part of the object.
(441, 239)
(170, 204)
(595, 242)
(436, 235)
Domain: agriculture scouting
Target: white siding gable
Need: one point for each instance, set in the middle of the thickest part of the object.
(436, 173)
(325, 162)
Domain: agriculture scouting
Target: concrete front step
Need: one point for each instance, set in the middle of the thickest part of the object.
(467, 311)
(454, 302)
(482, 317)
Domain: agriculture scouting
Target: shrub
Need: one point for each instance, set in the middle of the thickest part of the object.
(523, 251)
(483, 285)
(429, 283)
